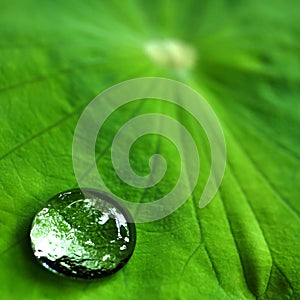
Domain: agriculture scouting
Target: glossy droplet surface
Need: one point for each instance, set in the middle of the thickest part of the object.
(83, 235)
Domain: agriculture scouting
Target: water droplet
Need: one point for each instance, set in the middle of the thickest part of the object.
(72, 235)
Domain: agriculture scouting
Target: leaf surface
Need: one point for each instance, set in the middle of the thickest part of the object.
(57, 56)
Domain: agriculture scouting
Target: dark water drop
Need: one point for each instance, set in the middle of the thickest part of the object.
(83, 235)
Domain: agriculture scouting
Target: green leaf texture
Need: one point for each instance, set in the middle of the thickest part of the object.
(55, 56)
